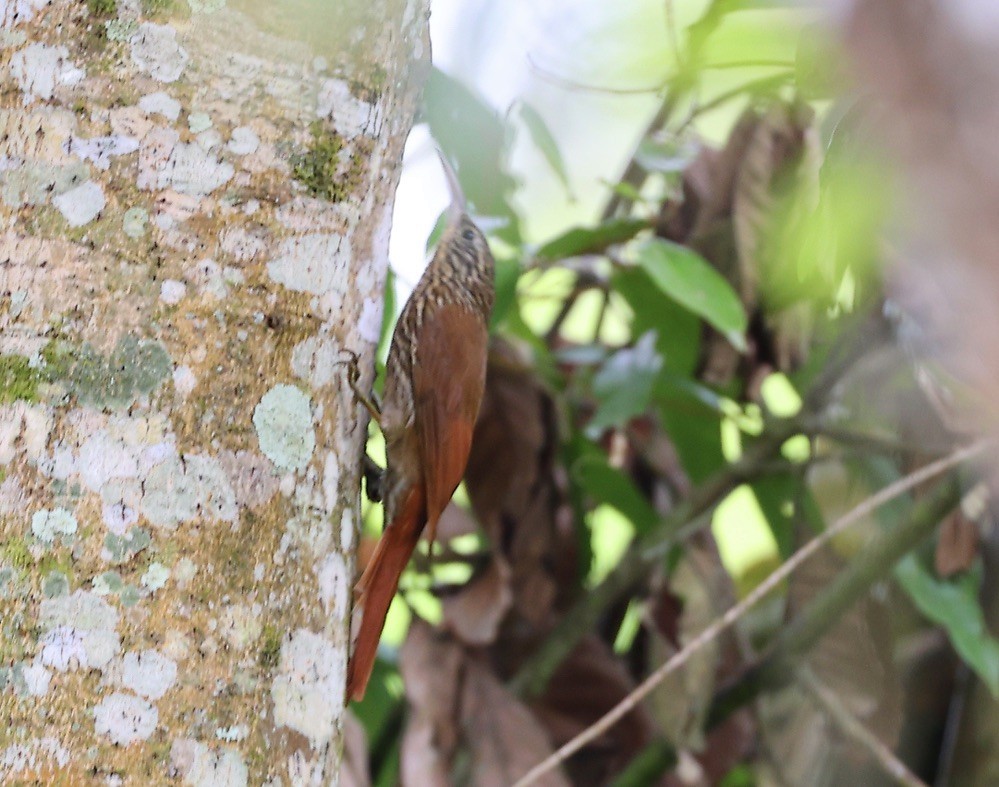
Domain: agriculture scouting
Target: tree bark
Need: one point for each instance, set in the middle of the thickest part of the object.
(195, 204)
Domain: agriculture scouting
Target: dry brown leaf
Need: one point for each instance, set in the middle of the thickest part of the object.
(431, 664)
(503, 738)
(455, 521)
(354, 766)
(516, 492)
(587, 685)
(421, 762)
(854, 660)
(474, 613)
(957, 545)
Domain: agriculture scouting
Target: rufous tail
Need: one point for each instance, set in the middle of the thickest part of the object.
(376, 587)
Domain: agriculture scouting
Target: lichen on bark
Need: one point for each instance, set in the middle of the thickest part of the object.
(174, 572)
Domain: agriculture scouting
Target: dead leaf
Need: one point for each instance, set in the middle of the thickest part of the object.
(590, 682)
(431, 665)
(474, 613)
(354, 766)
(957, 545)
(517, 493)
(504, 739)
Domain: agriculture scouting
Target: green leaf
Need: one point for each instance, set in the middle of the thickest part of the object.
(692, 417)
(954, 606)
(507, 276)
(590, 240)
(606, 484)
(476, 139)
(689, 279)
(542, 137)
(624, 384)
(666, 157)
(679, 331)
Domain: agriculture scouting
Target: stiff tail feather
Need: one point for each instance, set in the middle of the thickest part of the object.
(376, 587)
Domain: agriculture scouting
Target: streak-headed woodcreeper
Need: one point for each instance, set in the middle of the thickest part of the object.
(434, 378)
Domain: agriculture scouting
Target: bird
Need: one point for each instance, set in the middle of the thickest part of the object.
(434, 380)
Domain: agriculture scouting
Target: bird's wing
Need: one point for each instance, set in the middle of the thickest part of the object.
(449, 375)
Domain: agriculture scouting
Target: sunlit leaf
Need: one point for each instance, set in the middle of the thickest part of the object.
(953, 604)
(690, 280)
(624, 384)
(590, 240)
(545, 141)
(611, 532)
(610, 486)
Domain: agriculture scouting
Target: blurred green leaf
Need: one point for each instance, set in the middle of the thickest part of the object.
(777, 495)
(624, 384)
(545, 141)
(476, 138)
(438, 229)
(953, 604)
(690, 280)
(388, 324)
(678, 330)
(606, 484)
(664, 156)
(381, 702)
(691, 415)
(590, 240)
(507, 276)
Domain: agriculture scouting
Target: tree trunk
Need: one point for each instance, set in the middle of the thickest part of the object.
(195, 204)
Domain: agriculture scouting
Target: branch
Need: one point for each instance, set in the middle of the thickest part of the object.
(841, 594)
(642, 556)
(856, 731)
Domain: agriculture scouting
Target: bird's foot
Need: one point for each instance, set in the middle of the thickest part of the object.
(374, 477)
(369, 401)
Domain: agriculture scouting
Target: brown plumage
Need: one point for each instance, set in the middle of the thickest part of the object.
(434, 380)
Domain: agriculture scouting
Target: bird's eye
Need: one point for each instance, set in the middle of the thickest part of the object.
(468, 234)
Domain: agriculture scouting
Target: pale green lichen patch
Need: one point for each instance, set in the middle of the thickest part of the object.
(129, 596)
(206, 6)
(200, 766)
(198, 122)
(35, 182)
(38, 69)
(107, 583)
(311, 671)
(148, 673)
(179, 490)
(47, 525)
(120, 30)
(135, 368)
(55, 584)
(155, 51)
(133, 222)
(81, 205)
(283, 420)
(121, 549)
(91, 618)
(155, 577)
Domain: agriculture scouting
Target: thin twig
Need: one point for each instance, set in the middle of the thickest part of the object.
(734, 613)
(852, 727)
(571, 84)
